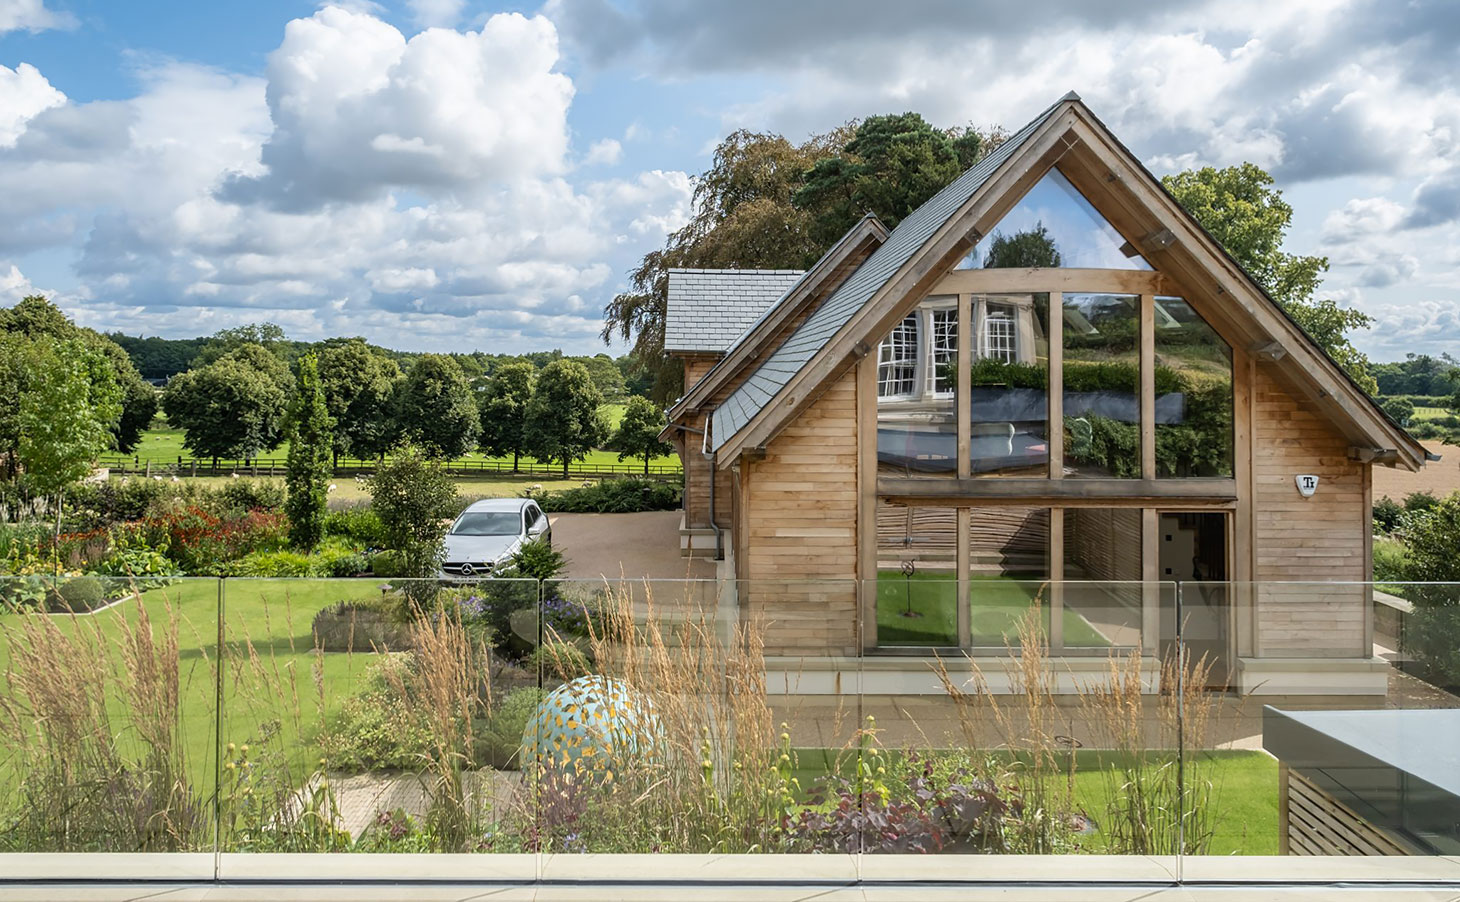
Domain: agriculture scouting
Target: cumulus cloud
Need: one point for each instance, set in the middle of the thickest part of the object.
(603, 153)
(358, 109)
(1436, 201)
(24, 92)
(31, 15)
(212, 199)
(1361, 218)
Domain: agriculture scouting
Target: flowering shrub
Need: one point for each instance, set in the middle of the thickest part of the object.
(201, 542)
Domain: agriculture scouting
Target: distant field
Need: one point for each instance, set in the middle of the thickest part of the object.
(1441, 477)
(1430, 413)
(162, 444)
(349, 490)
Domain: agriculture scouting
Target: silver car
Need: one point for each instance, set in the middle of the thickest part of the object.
(487, 534)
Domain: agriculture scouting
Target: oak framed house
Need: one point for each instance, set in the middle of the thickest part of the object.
(1048, 381)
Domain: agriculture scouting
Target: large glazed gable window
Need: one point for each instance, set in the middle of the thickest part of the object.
(1193, 393)
(917, 422)
(1051, 226)
(1102, 386)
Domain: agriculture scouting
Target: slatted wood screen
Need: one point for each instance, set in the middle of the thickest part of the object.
(1315, 823)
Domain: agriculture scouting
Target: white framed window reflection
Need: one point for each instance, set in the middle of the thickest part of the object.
(915, 360)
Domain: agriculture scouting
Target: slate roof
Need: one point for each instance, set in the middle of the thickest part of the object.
(709, 309)
(828, 319)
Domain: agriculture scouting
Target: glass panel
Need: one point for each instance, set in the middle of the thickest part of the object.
(1193, 393)
(1103, 555)
(108, 709)
(1053, 225)
(1361, 781)
(369, 716)
(917, 579)
(1009, 391)
(917, 428)
(1102, 379)
(1008, 570)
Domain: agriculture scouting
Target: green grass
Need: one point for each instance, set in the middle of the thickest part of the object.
(163, 445)
(270, 694)
(1243, 815)
(1430, 413)
(349, 489)
(998, 604)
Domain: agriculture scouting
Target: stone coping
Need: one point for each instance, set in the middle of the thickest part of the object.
(762, 872)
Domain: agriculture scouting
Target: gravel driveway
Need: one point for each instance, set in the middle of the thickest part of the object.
(637, 546)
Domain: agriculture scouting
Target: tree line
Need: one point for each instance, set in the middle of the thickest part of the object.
(159, 359)
(235, 406)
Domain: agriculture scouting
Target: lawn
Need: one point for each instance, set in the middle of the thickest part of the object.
(163, 444)
(270, 689)
(997, 606)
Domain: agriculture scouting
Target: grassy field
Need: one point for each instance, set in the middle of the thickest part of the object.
(932, 597)
(163, 444)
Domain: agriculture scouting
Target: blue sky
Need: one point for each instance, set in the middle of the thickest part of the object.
(179, 167)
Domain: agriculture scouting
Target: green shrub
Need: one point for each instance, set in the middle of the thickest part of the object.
(388, 564)
(1390, 561)
(561, 659)
(1388, 515)
(378, 728)
(242, 495)
(81, 594)
(1432, 632)
(358, 523)
(613, 496)
(281, 564)
(502, 733)
(535, 560)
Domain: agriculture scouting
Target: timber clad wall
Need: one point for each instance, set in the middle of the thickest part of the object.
(1315, 823)
(1318, 539)
(799, 522)
(697, 468)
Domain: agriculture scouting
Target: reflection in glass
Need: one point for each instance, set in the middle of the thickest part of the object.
(1102, 545)
(917, 587)
(1008, 564)
(1193, 393)
(917, 422)
(1009, 390)
(1051, 226)
(1102, 378)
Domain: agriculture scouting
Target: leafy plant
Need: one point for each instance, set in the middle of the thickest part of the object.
(613, 496)
(413, 497)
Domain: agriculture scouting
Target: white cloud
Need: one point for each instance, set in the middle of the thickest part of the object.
(358, 109)
(24, 92)
(603, 153)
(1360, 218)
(31, 15)
(436, 13)
(199, 204)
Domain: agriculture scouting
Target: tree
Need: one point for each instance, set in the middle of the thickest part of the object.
(233, 407)
(268, 336)
(415, 500)
(66, 411)
(891, 166)
(1032, 248)
(563, 422)
(35, 316)
(503, 408)
(768, 203)
(605, 375)
(638, 432)
(1400, 410)
(311, 442)
(359, 385)
(1249, 217)
(435, 410)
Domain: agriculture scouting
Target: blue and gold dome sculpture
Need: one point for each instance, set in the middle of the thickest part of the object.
(592, 724)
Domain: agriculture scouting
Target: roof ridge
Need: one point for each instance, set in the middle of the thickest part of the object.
(738, 272)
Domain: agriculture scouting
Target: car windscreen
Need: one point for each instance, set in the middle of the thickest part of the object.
(488, 523)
